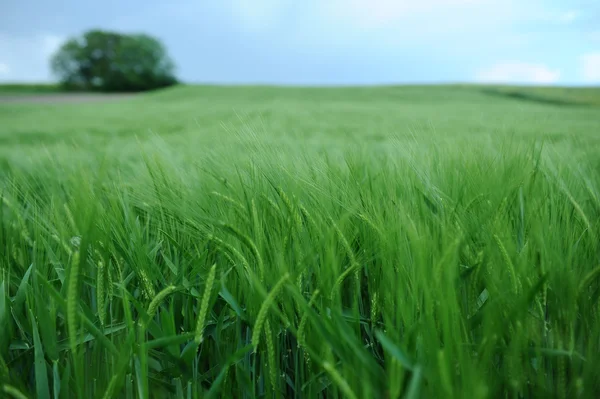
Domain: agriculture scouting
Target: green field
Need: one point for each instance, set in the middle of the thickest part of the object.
(242, 242)
(17, 88)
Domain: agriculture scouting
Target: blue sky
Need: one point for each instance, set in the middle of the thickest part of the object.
(327, 41)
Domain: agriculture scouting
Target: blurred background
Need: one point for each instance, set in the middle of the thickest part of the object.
(324, 42)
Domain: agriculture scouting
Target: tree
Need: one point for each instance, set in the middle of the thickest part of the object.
(109, 61)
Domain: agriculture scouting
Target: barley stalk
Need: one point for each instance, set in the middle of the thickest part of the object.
(109, 278)
(271, 355)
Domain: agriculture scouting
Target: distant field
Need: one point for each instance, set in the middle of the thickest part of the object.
(16, 88)
(242, 242)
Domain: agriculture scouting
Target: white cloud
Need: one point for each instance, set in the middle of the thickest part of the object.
(590, 67)
(4, 69)
(518, 72)
(375, 13)
(51, 43)
(259, 15)
(569, 16)
(28, 56)
(541, 14)
(425, 26)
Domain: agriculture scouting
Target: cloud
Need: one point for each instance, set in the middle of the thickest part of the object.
(50, 43)
(28, 56)
(518, 72)
(378, 13)
(259, 15)
(569, 16)
(590, 67)
(4, 69)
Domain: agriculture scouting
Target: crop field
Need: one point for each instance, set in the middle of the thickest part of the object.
(262, 242)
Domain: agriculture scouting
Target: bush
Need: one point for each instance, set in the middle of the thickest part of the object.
(108, 61)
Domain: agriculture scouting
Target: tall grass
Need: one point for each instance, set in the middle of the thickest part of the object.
(442, 274)
(436, 267)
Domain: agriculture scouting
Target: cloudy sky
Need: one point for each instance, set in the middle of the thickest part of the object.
(327, 41)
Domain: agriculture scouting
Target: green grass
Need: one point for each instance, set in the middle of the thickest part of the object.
(24, 88)
(241, 242)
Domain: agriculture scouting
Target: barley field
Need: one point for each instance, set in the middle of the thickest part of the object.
(261, 242)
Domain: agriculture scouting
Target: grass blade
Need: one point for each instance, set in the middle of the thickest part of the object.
(393, 350)
(41, 372)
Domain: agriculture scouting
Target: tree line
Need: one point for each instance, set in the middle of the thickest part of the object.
(100, 60)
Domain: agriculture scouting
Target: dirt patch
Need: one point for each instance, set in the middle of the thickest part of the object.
(61, 98)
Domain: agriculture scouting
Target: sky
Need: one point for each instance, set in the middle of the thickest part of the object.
(326, 42)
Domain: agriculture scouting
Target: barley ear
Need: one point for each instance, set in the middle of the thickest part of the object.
(587, 280)
(100, 294)
(301, 338)
(508, 263)
(153, 307)
(262, 313)
(72, 300)
(204, 305)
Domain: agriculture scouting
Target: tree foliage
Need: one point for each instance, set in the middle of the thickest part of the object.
(109, 61)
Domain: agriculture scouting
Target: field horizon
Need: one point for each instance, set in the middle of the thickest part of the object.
(251, 241)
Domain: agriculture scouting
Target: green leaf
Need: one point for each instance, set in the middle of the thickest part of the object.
(178, 388)
(56, 377)
(22, 290)
(414, 387)
(83, 338)
(41, 372)
(128, 387)
(4, 321)
(551, 352)
(188, 353)
(167, 341)
(13, 392)
(86, 321)
(64, 381)
(47, 321)
(237, 356)
(141, 376)
(226, 295)
(394, 350)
